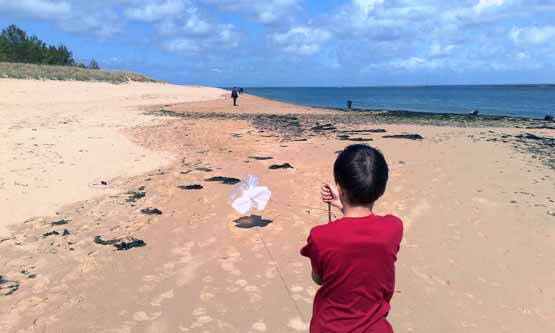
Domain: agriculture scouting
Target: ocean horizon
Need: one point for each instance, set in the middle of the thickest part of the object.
(533, 101)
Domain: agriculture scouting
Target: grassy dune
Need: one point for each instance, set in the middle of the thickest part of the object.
(67, 73)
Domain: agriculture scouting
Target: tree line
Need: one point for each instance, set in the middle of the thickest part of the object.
(17, 46)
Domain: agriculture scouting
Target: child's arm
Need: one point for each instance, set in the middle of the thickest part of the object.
(331, 195)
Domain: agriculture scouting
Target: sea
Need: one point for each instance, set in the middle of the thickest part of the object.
(527, 101)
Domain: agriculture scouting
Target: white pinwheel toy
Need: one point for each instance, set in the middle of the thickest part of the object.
(247, 195)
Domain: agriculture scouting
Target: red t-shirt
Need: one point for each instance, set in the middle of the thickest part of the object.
(356, 259)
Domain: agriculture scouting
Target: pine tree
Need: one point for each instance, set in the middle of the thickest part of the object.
(94, 65)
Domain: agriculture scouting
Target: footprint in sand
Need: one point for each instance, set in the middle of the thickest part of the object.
(188, 273)
(259, 326)
(297, 324)
(254, 293)
(207, 242)
(241, 283)
(227, 262)
(297, 289)
(140, 316)
(415, 213)
(158, 300)
(422, 275)
(158, 326)
(201, 318)
(205, 295)
(270, 272)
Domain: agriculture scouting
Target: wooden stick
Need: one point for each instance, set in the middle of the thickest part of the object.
(329, 212)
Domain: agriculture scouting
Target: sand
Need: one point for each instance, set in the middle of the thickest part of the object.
(59, 140)
(476, 257)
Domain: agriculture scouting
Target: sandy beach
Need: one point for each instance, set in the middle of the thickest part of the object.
(61, 139)
(476, 198)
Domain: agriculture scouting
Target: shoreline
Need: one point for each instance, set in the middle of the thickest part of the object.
(482, 202)
(424, 113)
(409, 113)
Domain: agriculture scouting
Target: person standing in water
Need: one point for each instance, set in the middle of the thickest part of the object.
(234, 95)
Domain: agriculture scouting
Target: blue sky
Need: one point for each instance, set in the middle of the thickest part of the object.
(302, 42)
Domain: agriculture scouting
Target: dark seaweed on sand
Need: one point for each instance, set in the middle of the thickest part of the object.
(224, 180)
(280, 166)
(151, 211)
(50, 233)
(404, 136)
(191, 187)
(55, 233)
(260, 158)
(325, 127)
(100, 241)
(124, 246)
(59, 222)
(372, 130)
(7, 287)
(135, 195)
(346, 137)
(119, 244)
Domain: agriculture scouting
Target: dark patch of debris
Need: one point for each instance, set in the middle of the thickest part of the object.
(191, 187)
(135, 195)
(151, 211)
(224, 180)
(404, 136)
(121, 244)
(280, 166)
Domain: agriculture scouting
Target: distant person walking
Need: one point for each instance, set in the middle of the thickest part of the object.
(234, 95)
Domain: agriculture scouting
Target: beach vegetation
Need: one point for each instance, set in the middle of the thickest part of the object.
(17, 46)
(67, 73)
(27, 57)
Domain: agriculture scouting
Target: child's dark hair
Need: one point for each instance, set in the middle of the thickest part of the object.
(362, 173)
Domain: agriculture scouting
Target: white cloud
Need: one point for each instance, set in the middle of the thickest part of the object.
(102, 22)
(182, 45)
(302, 40)
(262, 11)
(487, 4)
(367, 6)
(414, 63)
(522, 56)
(225, 36)
(437, 50)
(156, 11)
(36, 8)
(183, 27)
(188, 23)
(533, 35)
(96, 17)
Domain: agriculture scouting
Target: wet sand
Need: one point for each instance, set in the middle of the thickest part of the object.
(476, 257)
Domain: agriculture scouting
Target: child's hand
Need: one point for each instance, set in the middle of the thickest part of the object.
(331, 195)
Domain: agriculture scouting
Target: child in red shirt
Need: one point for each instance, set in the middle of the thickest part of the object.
(353, 258)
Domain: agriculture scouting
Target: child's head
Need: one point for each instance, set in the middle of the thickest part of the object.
(360, 172)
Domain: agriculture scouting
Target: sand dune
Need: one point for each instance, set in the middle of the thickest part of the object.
(476, 257)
